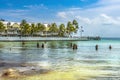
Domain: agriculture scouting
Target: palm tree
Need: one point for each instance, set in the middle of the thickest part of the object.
(75, 23)
(40, 27)
(8, 28)
(8, 25)
(70, 28)
(33, 28)
(53, 28)
(23, 22)
(2, 27)
(25, 27)
(62, 30)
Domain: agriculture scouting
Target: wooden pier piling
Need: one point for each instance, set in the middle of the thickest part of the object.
(38, 45)
(43, 46)
(75, 47)
(96, 47)
(110, 47)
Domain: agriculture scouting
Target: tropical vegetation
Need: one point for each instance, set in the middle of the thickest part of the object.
(31, 29)
(2, 27)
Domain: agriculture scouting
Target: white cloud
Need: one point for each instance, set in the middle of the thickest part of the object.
(35, 6)
(102, 18)
(108, 2)
(84, 20)
(61, 14)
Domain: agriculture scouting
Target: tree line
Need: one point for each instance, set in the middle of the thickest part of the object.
(30, 29)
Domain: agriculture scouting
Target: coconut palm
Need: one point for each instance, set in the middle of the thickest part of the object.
(75, 23)
(25, 27)
(62, 30)
(8, 25)
(40, 27)
(70, 28)
(2, 27)
(53, 28)
(33, 28)
(23, 22)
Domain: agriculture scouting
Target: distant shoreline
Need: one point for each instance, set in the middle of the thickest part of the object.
(111, 38)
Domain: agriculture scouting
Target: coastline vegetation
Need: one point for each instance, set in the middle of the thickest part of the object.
(32, 29)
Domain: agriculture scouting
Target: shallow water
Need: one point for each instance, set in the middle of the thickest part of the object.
(60, 57)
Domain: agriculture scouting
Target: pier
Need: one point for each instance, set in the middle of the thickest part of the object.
(12, 39)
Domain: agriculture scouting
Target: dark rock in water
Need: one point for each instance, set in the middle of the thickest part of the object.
(10, 73)
(23, 65)
(34, 71)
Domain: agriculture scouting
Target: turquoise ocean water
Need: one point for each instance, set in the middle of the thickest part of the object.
(60, 56)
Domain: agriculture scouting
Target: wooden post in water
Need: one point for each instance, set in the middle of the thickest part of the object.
(23, 43)
(38, 45)
(110, 47)
(71, 45)
(96, 47)
(43, 46)
(74, 46)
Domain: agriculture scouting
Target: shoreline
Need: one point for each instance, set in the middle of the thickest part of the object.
(72, 73)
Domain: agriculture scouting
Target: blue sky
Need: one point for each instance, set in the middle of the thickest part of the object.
(15, 4)
(44, 9)
(98, 17)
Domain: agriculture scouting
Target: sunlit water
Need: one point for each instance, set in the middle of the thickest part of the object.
(59, 56)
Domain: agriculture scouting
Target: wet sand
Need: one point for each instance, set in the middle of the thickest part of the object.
(28, 72)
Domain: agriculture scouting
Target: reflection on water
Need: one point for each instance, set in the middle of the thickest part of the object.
(59, 56)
